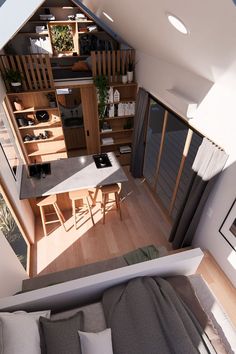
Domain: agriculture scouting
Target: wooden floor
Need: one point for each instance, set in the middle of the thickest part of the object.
(143, 224)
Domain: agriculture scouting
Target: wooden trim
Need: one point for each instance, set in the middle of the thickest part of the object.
(23, 58)
(181, 167)
(163, 133)
(17, 218)
(45, 81)
(49, 71)
(109, 64)
(94, 64)
(21, 70)
(104, 62)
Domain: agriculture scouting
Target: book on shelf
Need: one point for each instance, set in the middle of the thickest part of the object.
(125, 149)
(107, 141)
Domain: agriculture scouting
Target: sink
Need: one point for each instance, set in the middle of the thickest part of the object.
(102, 160)
(73, 121)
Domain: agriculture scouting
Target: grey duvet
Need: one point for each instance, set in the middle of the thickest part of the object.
(147, 316)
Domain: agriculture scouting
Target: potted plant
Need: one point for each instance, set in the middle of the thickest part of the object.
(130, 72)
(52, 100)
(14, 77)
(101, 83)
(124, 77)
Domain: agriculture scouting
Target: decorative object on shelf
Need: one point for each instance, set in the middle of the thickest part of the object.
(121, 111)
(101, 83)
(14, 77)
(42, 116)
(110, 95)
(116, 98)
(52, 100)
(22, 121)
(106, 127)
(39, 29)
(125, 149)
(111, 111)
(41, 136)
(130, 72)
(18, 104)
(124, 78)
(62, 38)
(71, 17)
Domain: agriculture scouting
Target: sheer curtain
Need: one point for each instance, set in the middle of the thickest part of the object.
(208, 164)
(138, 146)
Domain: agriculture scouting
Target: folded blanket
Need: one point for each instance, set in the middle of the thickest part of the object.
(141, 255)
(147, 317)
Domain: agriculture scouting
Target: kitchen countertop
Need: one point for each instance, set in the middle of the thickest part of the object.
(71, 174)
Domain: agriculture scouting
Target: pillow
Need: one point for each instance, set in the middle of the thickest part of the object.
(96, 343)
(61, 336)
(80, 66)
(19, 332)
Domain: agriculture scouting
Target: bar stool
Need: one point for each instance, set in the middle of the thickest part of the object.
(83, 195)
(47, 202)
(106, 191)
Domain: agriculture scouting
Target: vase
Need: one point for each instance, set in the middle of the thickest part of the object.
(124, 79)
(16, 86)
(130, 76)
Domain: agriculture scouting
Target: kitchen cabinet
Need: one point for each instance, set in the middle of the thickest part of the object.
(74, 138)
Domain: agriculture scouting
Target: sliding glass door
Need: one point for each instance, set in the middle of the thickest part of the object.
(171, 147)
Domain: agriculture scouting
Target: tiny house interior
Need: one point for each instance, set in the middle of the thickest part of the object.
(116, 135)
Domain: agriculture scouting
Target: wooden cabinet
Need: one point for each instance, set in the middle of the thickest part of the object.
(120, 128)
(90, 115)
(74, 138)
(41, 139)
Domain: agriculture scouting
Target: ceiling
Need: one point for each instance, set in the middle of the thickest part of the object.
(208, 50)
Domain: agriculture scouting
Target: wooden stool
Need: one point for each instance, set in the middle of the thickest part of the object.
(106, 190)
(83, 195)
(50, 201)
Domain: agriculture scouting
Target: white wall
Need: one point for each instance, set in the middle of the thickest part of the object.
(11, 271)
(13, 15)
(215, 118)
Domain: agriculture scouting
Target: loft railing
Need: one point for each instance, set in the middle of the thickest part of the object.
(112, 63)
(35, 70)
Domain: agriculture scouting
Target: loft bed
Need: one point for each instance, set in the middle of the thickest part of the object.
(40, 72)
(116, 299)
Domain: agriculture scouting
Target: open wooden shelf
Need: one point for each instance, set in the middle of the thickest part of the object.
(121, 141)
(116, 131)
(54, 138)
(118, 117)
(42, 125)
(35, 109)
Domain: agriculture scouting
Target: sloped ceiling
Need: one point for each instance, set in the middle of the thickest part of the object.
(13, 15)
(208, 50)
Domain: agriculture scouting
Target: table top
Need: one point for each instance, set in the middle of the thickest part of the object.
(71, 174)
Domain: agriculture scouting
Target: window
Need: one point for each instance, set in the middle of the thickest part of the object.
(12, 232)
(171, 147)
(7, 142)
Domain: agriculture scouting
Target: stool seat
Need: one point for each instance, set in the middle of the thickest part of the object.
(79, 194)
(109, 189)
(83, 195)
(50, 201)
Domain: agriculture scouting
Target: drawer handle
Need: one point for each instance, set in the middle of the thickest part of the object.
(87, 132)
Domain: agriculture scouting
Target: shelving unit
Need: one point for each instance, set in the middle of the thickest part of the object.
(120, 133)
(28, 41)
(38, 150)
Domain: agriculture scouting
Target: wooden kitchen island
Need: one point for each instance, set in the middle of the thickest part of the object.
(69, 175)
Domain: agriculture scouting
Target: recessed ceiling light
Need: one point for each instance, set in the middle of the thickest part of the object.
(177, 23)
(107, 16)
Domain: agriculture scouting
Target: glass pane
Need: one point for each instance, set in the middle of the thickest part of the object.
(7, 142)
(12, 233)
(153, 140)
(186, 174)
(175, 136)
